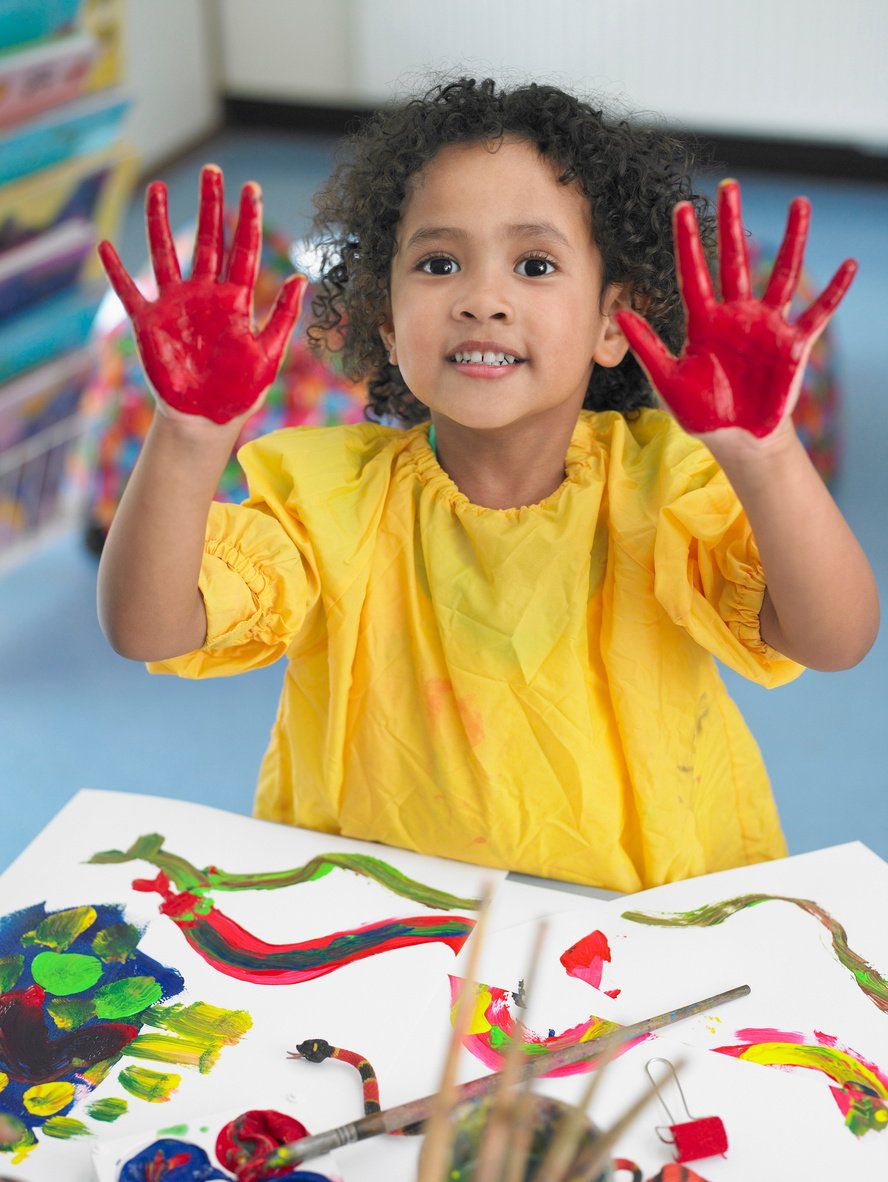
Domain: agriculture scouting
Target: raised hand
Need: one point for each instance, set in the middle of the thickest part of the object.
(743, 363)
(197, 341)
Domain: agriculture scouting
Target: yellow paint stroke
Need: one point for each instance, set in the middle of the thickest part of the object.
(836, 1064)
(479, 1022)
(201, 1053)
(46, 1099)
(195, 1034)
(4, 1080)
(145, 1084)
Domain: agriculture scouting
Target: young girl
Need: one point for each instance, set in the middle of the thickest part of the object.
(500, 622)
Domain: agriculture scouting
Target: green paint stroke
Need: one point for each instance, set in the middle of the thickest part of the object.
(186, 877)
(10, 971)
(65, 972)
(145, 1084)
(70, 1013)
(871, 983)
(108, 1109)
(173, 1131)
(64, 1128)
(59, 930)
(195, 1034)
(128, 996)
(116, 943)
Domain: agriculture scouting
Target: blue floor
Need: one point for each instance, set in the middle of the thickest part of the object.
(74, 715)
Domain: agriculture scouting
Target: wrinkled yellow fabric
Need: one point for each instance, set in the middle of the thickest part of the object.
(525, 688)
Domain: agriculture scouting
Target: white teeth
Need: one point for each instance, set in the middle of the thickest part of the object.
(476, 357)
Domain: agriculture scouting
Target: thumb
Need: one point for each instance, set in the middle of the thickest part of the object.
(279, 327)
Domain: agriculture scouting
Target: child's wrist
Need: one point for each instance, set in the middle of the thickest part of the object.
(749, 461)
(194, 435)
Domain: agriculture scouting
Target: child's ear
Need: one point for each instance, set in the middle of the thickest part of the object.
(613, 346)
(387, 336)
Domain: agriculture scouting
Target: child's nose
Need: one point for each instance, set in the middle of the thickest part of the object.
(483, 301)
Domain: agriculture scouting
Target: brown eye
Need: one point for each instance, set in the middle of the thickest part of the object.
(534, 268)
(439, 265)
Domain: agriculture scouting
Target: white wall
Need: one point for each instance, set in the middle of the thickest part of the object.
(171, 74)
(290, 50)
(785, 68)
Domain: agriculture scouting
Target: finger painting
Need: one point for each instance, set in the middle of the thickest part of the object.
(806, 934)
(493, 1029)
(79, 999)
(233, 950)
(871, 982)
(124, 1022)
(859, 1088)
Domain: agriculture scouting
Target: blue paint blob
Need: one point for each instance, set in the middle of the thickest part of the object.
(173, 1161)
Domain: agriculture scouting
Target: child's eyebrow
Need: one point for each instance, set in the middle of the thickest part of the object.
(518, 230)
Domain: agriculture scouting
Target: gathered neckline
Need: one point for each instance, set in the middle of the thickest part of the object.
(577, 466)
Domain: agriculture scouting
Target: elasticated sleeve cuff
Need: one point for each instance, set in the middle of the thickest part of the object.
(258, 586)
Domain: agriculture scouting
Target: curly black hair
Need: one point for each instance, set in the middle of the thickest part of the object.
(632, 175)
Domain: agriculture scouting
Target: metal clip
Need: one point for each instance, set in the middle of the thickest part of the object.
(694, 1137)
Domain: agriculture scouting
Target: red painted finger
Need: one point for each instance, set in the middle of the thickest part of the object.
(160, 239)
(733, 254)
(208, 244)
(119, 278)
(693, 274)
(244, 261)
(813, 320)
(284, 314)
(788, 263)
(652, 354)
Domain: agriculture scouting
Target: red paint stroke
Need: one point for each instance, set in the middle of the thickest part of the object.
(233, 950)
(29, 1055)
(862, 1091)
(244, 1143)
(493, 1030)
(585, 960)
(743, 362)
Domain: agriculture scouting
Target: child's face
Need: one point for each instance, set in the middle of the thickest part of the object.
(495, 260)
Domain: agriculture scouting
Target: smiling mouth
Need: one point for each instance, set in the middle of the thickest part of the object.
(487, 357)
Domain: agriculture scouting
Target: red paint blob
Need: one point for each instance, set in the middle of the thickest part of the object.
(586, 958)
(245, 1142)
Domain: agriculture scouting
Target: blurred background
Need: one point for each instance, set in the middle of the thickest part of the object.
(98, 96)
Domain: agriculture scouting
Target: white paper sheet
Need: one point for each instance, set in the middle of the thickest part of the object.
(371, 1006)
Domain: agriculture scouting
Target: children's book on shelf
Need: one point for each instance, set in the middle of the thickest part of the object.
(44, 265)
(81, 128)
(44, 75)
(39, 429)
(42, 397)
(22, 21)
(90, 188)
(48, 329)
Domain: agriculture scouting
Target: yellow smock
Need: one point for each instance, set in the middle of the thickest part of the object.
(527, 688)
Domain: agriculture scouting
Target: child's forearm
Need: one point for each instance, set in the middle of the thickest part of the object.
(821, 605)
(150, 607)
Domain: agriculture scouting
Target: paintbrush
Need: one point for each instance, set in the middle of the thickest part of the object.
(415, 1111)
